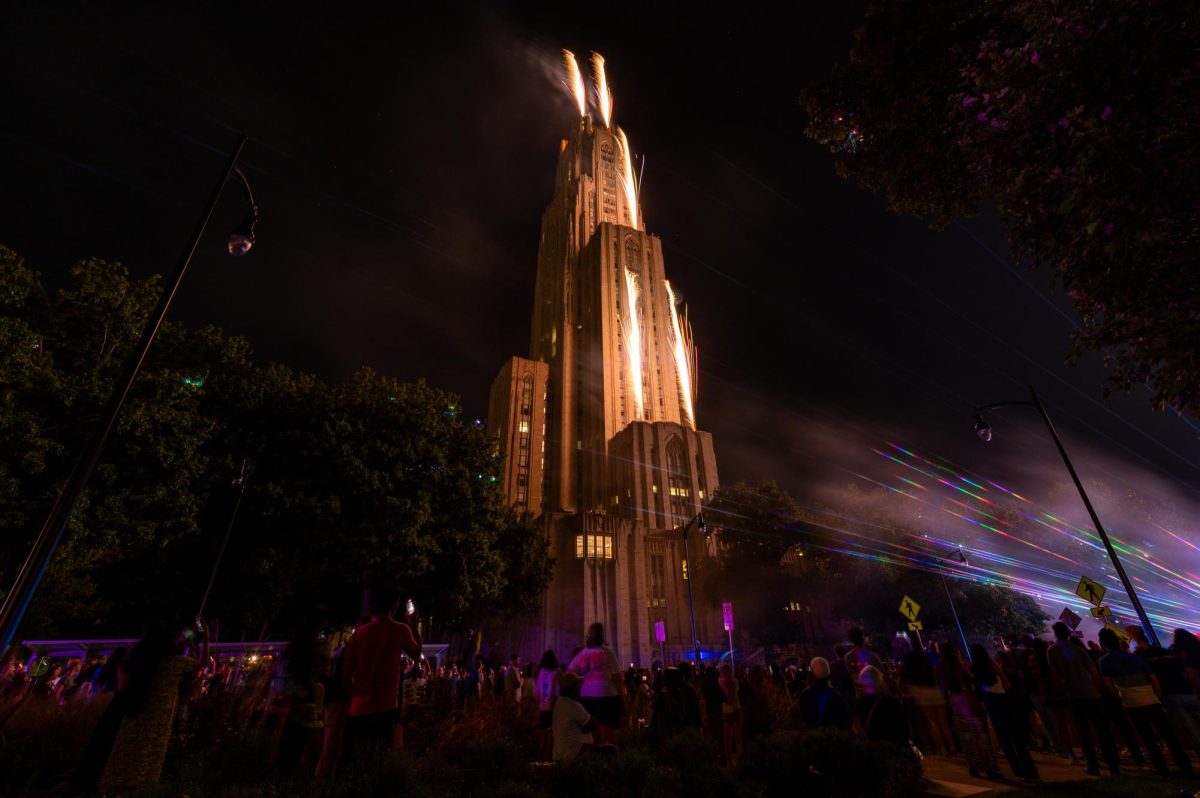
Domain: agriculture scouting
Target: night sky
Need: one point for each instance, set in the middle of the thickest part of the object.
(402, 159)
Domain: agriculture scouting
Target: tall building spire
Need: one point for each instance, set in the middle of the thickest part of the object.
(598, 425)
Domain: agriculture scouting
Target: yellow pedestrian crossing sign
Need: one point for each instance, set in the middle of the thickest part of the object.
(1089, 591)
(910, 609)
(915, 626)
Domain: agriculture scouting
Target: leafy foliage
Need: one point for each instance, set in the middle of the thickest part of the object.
(351, 482)
(1077, 121)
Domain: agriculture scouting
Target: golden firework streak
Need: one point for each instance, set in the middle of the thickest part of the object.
(633, 341)
(606, 98)
(682, 364)
(627, 179)
(576, 81)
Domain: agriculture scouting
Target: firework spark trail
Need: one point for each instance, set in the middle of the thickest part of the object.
(633, 341)
(682, 366)
(1185, 542)
(627, 179)
(1057, 591)
(602, 92)
(1140, 560)
(575, 81)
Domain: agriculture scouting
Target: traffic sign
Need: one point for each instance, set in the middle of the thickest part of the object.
(915, 626)
(1101, 612)
(1070, 618)
(727, 613)
(1125, 638)
(910, 609)
(1092, 592)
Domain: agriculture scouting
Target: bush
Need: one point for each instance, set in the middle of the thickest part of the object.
(830, 763)
(41, 741)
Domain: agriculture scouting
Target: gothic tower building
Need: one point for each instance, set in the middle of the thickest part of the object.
(598, 425)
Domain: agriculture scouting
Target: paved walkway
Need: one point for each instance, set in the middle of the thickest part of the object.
(950, 778)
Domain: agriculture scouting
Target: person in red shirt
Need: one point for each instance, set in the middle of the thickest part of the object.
(371, 671)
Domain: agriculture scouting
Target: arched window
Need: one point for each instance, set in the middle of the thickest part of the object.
(633, 254)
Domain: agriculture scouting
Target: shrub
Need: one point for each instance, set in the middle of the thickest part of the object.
(830, 763)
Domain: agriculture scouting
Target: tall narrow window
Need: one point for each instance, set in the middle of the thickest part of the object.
(679, 481)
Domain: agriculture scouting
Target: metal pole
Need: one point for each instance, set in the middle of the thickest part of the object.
(1112, 553)
(691, 599)
(954, 612)
(34, 568)
(228, 530)
(732, 665)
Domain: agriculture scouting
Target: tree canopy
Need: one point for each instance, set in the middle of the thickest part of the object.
(772, 556)
(1077, 121)
(350, 482)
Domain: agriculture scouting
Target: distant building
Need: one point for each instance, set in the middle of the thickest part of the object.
(598, 425)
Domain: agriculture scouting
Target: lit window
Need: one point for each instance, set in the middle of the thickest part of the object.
(683, 568)
(523, 426)
(654, 488)
(579, 546)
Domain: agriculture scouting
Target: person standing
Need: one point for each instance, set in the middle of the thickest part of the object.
(858, 657)
(881, 717)
(546, 689)
(969, 712)
(513, 683)
(371, 672)
(920, 687)
(731, 715)
(1074, 672)
(1131, 676)
(601, 693)
(822, 707)
(1000, 710)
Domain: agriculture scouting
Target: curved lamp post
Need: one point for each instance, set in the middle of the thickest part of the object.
(984, 431)
(240, 240)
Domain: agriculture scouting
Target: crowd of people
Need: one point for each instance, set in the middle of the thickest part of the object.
(318, 700)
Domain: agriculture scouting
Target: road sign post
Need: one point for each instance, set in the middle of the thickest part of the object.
(910, 610)
(727, 617)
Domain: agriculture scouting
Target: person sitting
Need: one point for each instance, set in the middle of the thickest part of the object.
(572, 724)
(822, 707)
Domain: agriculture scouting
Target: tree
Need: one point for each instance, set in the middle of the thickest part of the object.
(1077, 121)
(351, 482)
(755, 531)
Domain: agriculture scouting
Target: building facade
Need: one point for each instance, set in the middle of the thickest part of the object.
(598, 425)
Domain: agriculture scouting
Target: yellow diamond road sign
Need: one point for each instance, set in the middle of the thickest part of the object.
(909, 608)
(1089, 591)
(1100, 612)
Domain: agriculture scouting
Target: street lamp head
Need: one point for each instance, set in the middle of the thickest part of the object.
(982, 429)
(241, 238)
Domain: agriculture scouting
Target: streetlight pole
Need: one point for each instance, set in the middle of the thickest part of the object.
(985, 432)
(240, 484)
(691, 599)
(34, 568)
(953, 610)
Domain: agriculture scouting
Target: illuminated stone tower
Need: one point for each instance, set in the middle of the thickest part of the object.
(598, 425)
